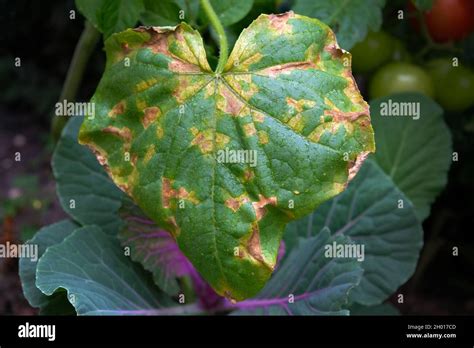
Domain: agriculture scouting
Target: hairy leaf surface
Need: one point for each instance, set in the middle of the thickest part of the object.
(166, 127)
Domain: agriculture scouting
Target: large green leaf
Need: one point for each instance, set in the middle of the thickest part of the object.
(308, 282)
(229, 11)
(350, 19)
(98, 277)
(371, 214)
(84, 189)
(111, 16)
(44, 238)
(163, 12)
(415, 151)
(164, 121)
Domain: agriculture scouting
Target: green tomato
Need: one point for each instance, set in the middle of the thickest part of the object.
(400, 77)
(454, 85)
(375, 50)
(400, 53)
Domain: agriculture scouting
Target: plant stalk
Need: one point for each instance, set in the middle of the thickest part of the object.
(84, 48)
(217, 25)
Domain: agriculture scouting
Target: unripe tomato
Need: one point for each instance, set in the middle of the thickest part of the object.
(400, 77)
(400, 53)
(454, 85)
(375, 50)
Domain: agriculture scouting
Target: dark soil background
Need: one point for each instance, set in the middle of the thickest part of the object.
(44, 38)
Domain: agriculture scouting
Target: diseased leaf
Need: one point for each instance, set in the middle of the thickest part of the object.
(85, 191)
(111, 16)
(369, 212)
(97, 276)
(415, 153)
(44, 238)
(308, 282)
(286, 98)
(350, 19)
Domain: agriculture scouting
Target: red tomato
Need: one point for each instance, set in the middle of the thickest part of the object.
(450, 19)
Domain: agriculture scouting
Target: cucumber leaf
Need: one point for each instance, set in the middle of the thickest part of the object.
(223, 161)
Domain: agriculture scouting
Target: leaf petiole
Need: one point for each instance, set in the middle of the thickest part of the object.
(217, 25)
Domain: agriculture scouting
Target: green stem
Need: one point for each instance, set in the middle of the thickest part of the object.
(84, 48)
(217, 25)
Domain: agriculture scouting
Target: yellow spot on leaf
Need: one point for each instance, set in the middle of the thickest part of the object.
(251, 248)
(279, 23)
(286, 69)
(331, 106)
(243, 84)
(169, 193)
(235, 203)
(144, 85)
(262, 137)
(331, 127)
(141, 104)
(221, 140)
(159, 131)
(246, 61)
(180, 66)
(249, 129)
(355, 165)
(248, 175)
(228, 102)
(175, 231)
(125, 182)
(194, 131)
(258, 116)
(150, 114)
(149, 153)
(204, 140)
(296, 123)
(253, 244)
(299, 105)
(189, 85)
(118, 109)
(123, 133)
